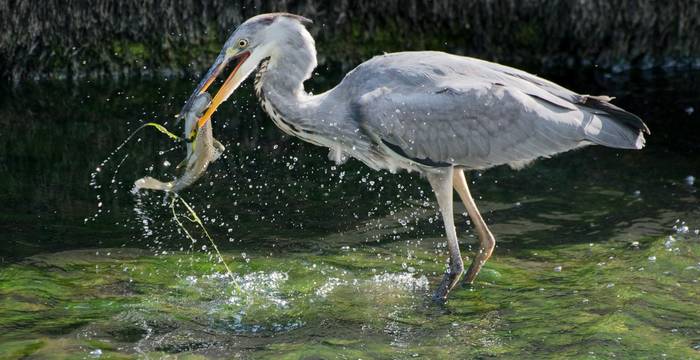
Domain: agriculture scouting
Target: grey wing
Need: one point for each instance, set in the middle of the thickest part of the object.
(478, 124)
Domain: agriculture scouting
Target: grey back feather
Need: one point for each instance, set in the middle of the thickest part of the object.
(437, 108)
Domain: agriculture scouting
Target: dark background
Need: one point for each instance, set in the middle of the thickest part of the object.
(73, 39)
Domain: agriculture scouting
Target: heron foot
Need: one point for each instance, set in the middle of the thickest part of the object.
(475, 268)
(471, 275)
(448, 282)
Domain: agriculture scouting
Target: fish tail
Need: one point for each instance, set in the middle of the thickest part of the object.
(153, 184)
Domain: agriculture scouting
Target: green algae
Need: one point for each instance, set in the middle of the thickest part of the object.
(605, 301)
(19, 349)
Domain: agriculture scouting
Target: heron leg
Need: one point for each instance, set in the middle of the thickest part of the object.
(442, 186)
(486, 239)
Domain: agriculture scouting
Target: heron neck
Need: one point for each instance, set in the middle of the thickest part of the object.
(285, 94)
(280, 80)
(317, 119)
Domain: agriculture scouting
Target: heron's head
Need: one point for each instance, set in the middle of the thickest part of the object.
(260, 37)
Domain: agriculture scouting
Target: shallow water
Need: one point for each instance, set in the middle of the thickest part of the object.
(598, 254)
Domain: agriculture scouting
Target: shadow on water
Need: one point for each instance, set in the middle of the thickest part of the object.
(597, 251)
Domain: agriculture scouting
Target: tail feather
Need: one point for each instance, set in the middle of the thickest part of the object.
(612, 126)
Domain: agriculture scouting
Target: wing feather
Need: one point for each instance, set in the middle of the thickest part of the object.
(477, 114)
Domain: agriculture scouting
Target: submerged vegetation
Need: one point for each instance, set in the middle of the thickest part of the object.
(602, 300)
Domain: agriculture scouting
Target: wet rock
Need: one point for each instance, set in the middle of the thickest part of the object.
(105, 39)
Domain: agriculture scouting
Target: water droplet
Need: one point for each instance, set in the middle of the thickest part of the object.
(669, 242)
(690, 180)
(96, 353)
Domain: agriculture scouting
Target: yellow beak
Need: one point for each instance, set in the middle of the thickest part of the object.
(229, 86)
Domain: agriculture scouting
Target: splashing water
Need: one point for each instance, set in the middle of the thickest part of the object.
(195, 219)
(94, 181)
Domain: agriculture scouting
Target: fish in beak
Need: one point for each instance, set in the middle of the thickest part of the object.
(201, 152)
(234, 80)
(202, 148)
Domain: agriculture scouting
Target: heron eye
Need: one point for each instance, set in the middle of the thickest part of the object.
(242, 43)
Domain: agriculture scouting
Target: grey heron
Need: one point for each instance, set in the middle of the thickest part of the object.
(431, 112)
